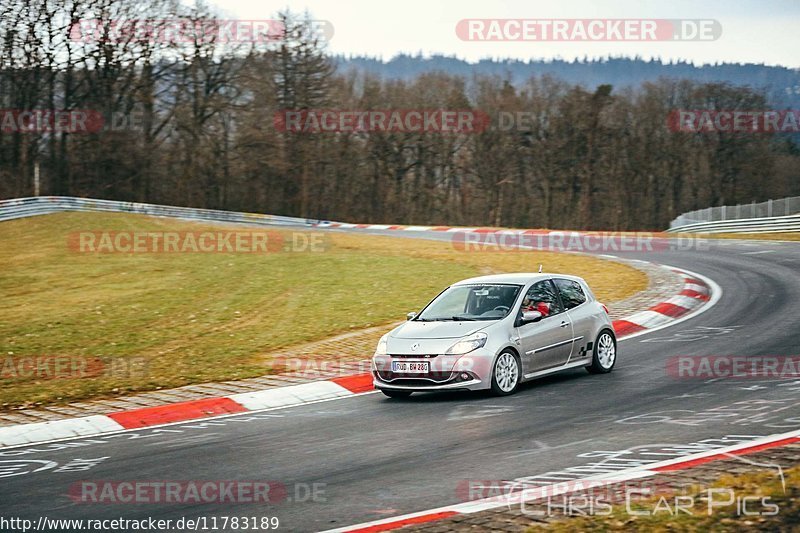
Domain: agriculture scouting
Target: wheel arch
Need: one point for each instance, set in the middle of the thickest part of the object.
(600, 331)
(609, 329)
(510, 348)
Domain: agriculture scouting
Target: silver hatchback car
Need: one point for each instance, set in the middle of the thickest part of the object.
(495, 332)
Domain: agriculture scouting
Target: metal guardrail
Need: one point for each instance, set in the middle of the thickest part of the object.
(44, 205)
(751, 225)
(754, 211)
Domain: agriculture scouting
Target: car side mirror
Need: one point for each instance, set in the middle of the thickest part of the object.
(531, 316)
(411, 316)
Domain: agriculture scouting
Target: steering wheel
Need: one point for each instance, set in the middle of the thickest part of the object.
(501, 308)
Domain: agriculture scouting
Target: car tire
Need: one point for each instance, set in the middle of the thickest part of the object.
(506, 373)
(604, 353)
(396, 393)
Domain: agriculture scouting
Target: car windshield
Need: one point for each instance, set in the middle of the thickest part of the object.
(472, 302)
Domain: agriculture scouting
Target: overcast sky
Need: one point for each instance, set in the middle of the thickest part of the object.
(766, 31)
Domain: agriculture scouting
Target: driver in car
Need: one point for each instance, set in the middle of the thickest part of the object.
(528, 304)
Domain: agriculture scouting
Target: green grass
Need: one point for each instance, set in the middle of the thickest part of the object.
(195, 317)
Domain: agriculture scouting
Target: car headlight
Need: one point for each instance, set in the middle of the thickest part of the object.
(468, 344)
(381, 348)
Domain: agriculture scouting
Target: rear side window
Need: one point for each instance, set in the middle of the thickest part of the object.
(571, 292)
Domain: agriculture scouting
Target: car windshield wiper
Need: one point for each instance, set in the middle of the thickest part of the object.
(464, 318)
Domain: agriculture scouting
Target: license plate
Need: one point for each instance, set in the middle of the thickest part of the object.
(410, 367)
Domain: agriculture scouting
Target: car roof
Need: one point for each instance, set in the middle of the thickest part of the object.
(520, 278)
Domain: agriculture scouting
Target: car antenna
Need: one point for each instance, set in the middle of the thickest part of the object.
(540, 268)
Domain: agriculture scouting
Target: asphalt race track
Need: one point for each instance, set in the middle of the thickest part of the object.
(373, 458)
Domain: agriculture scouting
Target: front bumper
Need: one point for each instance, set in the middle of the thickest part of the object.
(472, 371)
(473, 384)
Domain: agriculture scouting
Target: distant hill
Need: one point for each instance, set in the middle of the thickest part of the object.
(781, 84)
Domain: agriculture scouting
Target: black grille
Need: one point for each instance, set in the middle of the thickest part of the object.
(415, 383)
(404, 378)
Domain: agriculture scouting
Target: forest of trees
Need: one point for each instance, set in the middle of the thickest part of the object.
(191, 123)
(781, 84)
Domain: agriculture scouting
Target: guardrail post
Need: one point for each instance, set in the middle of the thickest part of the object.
(769, 208)
(36, 179)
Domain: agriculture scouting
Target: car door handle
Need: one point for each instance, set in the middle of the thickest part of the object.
(564, 324)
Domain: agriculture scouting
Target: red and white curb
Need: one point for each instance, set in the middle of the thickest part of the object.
(192, 410)
(561, 488)
(628, 237)
(698, 294)
(450, 229)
